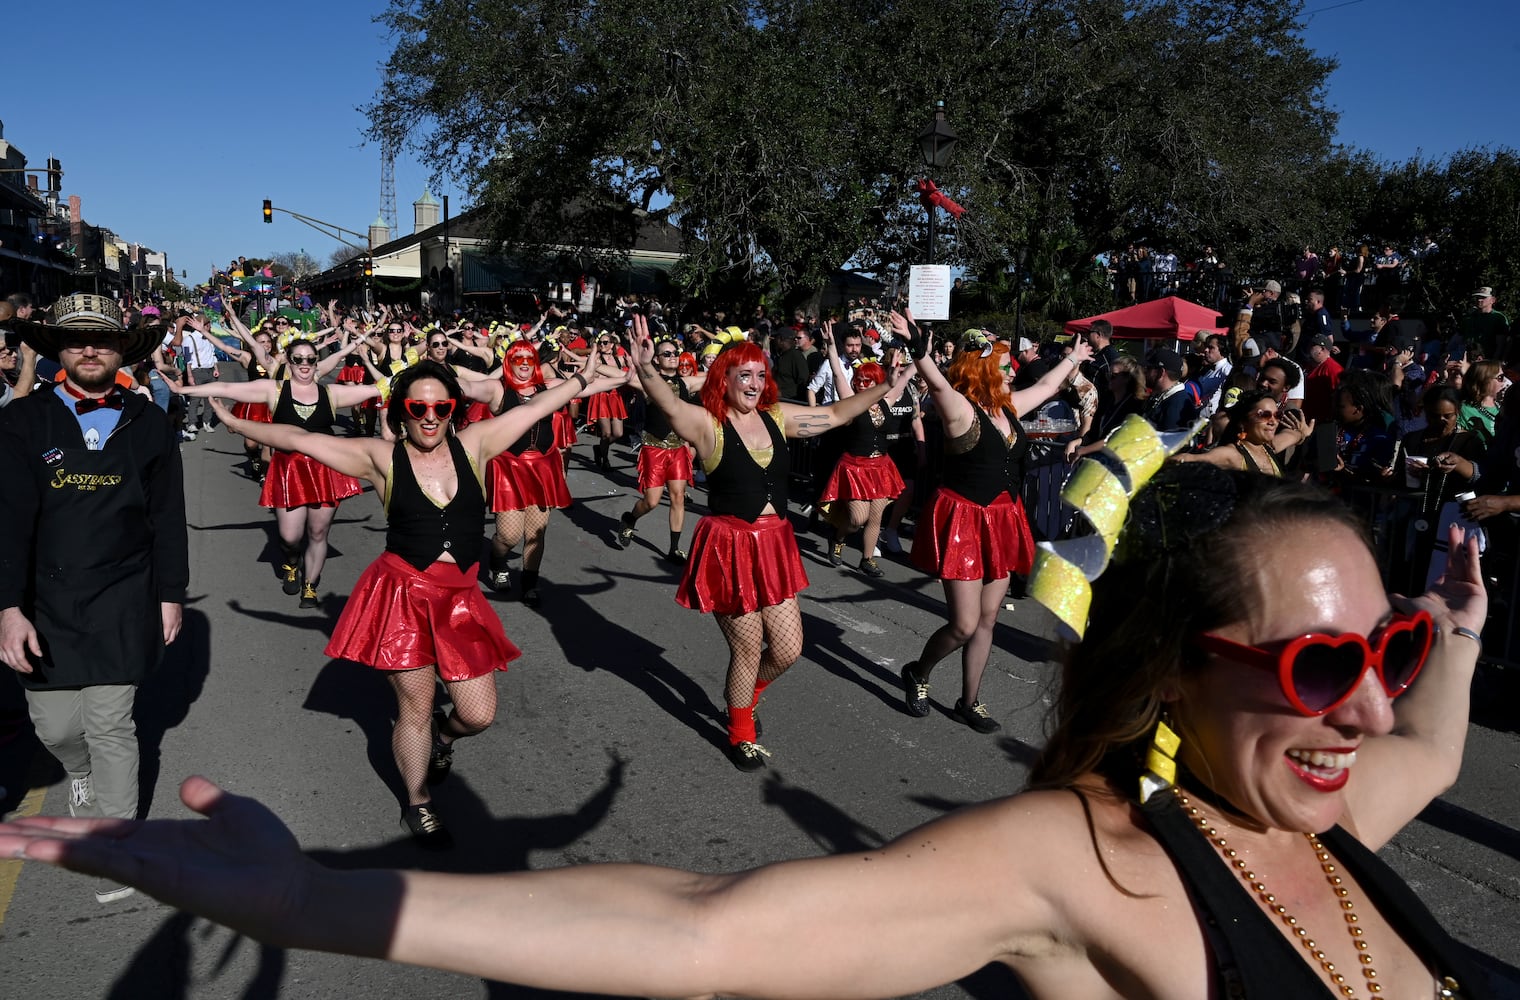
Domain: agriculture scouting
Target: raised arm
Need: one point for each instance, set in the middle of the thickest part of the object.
(692, 422)
(362, 458)
(1399, 774)
(955, 411)
(336, 358)
(1029, 399)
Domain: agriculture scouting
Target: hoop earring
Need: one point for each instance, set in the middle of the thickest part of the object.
(1160, 761)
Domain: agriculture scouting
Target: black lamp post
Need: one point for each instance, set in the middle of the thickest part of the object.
(936, 144)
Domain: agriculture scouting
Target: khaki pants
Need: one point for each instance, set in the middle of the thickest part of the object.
(91, 732)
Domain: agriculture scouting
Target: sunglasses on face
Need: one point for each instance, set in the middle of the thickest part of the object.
(439, 343)
(666, 354)
(1318, 673)
(305, 359)
(1264, 414)
(418, 409)
(523, 359)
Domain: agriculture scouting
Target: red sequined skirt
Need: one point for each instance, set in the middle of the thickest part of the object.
(658, 466)
(606, 405)
(475, 412)
(257, 412)
(532, 479)
(402, 618)
(296, 480)
(736, 567)
(961, 540)
(564, 430)
(358, 375)
(861, 478)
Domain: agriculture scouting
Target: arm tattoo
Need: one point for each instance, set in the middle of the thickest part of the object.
(809, 424)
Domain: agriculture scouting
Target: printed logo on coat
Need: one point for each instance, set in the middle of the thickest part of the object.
(52, 456)
(83, 482)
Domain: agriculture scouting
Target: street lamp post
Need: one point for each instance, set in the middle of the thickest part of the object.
(936, 143)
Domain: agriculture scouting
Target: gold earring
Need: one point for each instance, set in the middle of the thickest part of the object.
(1160, 761)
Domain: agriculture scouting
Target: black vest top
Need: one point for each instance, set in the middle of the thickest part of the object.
(321, 420)
(865, 437)
(255, 370)
(1251, 957)
(539, 437)
(738, 486)
(991, 467)
(656, 423)
(899, 422)
(419, 530)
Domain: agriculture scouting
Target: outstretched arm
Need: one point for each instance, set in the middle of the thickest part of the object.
(893, 921)
(258, 391)
(362, 458)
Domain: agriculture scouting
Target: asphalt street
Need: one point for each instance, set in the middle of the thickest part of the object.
(608, 746)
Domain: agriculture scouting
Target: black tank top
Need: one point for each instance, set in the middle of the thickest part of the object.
(900, 417)
(992, 466)
(419, 530)
(255, 370)
(866, 437)
(539, 437)
(319, 421)
(1251, 957)
(656, 423)
(739, 486)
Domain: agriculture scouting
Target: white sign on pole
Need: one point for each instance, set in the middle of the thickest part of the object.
(929, 291)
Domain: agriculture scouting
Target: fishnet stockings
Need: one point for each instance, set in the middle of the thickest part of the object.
(526, 527)
(863, 516)
(762, 644)
(412, 737)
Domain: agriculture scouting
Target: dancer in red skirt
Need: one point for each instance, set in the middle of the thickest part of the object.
(974, 534)
(744, 566)
(303, 492)
(664, 458)
(607, 409)
(417, 612)
(526, 479)
(864, 480)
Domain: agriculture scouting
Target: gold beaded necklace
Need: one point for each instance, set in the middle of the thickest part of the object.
(1327, 865)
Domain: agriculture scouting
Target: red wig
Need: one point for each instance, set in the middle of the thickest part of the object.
(870, 370)
(686, 364)
(522, 349)
(980, 379)
(715, 389)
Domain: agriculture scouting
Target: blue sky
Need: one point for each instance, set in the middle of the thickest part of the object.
(175, 120)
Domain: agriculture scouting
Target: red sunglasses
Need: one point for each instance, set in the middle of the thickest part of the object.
(418, 409)
(1318, 673)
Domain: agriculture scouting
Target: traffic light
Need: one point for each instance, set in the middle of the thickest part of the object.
(268, 211)
(369, 268)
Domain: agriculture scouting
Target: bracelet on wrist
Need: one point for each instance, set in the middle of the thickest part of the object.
(581, 379)
(1466, 633)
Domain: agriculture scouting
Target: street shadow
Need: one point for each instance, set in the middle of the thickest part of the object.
(1495, 693)
(165, 967)
(361, 695)
(321, 619)
(1006, 637)
(483, 843)
(824, 644)
(585, 636)
(837, 832)
(1469, 825)
(165, 696)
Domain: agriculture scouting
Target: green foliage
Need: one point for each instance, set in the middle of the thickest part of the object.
(779, 135)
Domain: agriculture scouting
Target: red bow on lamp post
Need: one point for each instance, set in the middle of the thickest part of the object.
(932, 198)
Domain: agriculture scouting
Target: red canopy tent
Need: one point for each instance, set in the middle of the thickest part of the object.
(1168, 317)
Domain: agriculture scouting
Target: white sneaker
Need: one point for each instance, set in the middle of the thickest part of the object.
(107, 891)
(187, 435)
(890, 542)
(208, 428)
(81, 796)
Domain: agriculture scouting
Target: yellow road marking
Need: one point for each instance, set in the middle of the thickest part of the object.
(10, 871)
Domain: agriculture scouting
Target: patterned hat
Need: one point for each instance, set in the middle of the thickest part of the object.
(83, 311)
